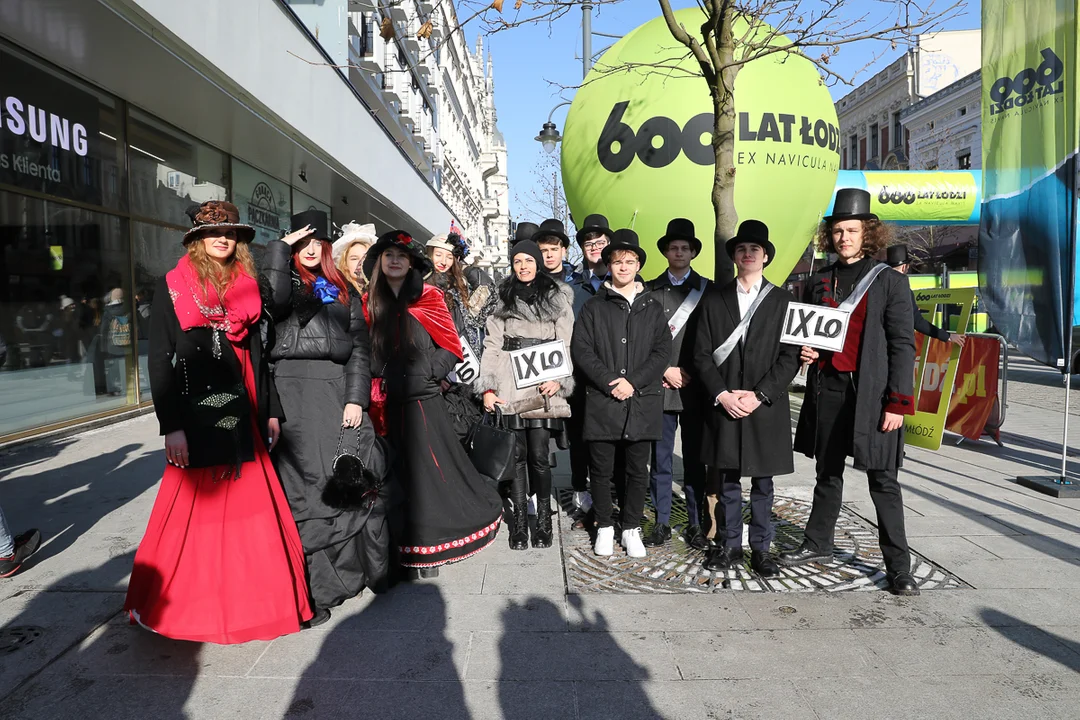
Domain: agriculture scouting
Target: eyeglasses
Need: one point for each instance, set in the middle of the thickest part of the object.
(596, 244)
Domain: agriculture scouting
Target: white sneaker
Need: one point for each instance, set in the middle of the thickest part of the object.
(631, 540)
(582, 500)
(532, 504)
(605, 541)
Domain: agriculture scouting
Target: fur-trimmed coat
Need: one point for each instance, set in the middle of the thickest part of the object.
(526, 321)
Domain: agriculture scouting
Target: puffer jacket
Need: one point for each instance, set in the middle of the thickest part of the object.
(523, 320)
(306, 329)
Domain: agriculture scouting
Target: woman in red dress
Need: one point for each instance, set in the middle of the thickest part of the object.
(221, 560)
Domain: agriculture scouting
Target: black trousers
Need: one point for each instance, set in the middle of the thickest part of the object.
(579, 449)
(602, 462)
(727, 485)
(533, 464)
(835, 433)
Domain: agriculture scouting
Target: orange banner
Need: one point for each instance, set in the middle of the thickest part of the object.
(937, 363)
(976, 387)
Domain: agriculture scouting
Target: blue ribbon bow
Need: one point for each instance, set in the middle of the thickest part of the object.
(327, 292)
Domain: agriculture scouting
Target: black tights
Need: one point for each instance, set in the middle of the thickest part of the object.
(533, 466)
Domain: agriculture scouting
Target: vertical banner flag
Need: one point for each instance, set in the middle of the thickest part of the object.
(1030, 138)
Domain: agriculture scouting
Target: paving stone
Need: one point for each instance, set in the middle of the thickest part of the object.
(523, 578)
(712, 612)
(1023, 574)
(690, 700)
(1031, 547)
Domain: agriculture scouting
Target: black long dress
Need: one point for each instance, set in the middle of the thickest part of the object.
(451, 513)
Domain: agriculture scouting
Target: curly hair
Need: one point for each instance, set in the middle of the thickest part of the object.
(876, 237)
(220, 275)
(358, 281)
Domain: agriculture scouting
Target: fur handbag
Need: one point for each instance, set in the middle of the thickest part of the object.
(352, 485)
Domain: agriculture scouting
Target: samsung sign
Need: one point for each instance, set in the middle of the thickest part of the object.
(48, 133)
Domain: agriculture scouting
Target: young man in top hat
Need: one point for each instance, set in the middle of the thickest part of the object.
(897, 257)
(592, 237)
(746, 370)
(680, 291)
(856, 399)
(622, 345)
(553, 242)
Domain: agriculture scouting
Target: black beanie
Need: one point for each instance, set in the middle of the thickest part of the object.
(527, 247)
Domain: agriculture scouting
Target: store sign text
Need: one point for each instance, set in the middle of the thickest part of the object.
(21, 118)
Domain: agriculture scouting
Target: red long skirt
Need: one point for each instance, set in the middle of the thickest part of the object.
(221, 560)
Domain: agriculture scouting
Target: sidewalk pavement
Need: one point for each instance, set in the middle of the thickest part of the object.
(498, 635)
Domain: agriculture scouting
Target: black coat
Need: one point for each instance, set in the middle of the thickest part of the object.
(613, 339)
(305, 329)
(886, 369)
(758, 445)
(671, 297)
(583, 291)
(182, 364)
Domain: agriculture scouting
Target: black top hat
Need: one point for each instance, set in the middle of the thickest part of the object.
(524, 231)
(752, 231)
(217, 215)
(624, 239)
(679, 229)
(593, 223)
(896, 255)
(404, 241)
(317, 219)
(851, 204)
(553, 228)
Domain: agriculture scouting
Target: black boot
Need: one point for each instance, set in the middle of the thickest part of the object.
(542, 535)
(519, 520)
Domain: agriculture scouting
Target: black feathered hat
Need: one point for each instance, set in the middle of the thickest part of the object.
(403, 240)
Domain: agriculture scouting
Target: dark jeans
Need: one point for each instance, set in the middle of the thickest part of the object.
(835, 430)
(727, 485)
(693, 469)
(602, 462)
(579, 449)
(533, 463)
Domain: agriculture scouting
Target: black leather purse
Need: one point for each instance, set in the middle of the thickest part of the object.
(493, 448)
(351, 486)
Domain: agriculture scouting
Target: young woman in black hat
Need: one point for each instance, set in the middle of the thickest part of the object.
(451, 512)
(533, 309)
(320, 354)
(221, 560)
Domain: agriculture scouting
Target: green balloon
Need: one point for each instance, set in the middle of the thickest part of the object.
(637, 145)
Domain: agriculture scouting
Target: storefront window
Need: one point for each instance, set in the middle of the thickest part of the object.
(67, 331)
(302, 201)
(58, 136)
(171, 171)
(264, 203)
(156, 251)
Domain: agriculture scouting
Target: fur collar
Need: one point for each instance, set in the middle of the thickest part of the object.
(541, 312)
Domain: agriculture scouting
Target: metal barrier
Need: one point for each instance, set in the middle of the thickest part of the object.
(997, 415)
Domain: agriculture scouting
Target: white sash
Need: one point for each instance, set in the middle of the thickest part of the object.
(859, 292)
(721, 353)
(682, 313)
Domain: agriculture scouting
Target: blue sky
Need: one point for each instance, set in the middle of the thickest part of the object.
(530, 63)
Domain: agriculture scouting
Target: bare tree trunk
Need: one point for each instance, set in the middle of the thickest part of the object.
(723, 191)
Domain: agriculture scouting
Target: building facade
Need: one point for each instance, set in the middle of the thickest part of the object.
(440, 96)
(872, 133)
(944, 130)
(118, 115)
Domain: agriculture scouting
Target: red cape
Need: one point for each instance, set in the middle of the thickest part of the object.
(430, 311)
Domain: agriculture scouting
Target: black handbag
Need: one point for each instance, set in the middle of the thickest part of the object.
(351, 486)
(493, 448)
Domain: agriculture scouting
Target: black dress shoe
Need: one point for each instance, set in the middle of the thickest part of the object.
(723, 558)
(583, 520)
(763, 564)
(803, 555)
(660, 535)
(321, 615)
(695, 538)
(903, 584)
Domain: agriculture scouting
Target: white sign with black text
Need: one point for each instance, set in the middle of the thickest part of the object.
(469, 368)
(816, 326)
(539, 363)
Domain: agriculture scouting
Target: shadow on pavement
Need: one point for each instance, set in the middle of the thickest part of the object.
(1060, 649)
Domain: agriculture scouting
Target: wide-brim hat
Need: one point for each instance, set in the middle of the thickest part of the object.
(851, 204)
(217, 215)
(350, 233)
(440, 241)
(401, 239)
(896, 255)
(680, 229)
(524, 231)
(752, 231)
(318, 220)
(593, 223)
(624, 239)
(552, 228)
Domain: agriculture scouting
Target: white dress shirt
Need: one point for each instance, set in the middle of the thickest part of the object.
(746, 297)
(676, 282)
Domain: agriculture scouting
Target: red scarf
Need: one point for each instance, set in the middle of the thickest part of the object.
(430, 311)
(197, 303)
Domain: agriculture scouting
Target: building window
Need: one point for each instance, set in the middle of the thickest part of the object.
(854, 156)
(963, 111)
(875, 139)
(897, 129)
(963, 161)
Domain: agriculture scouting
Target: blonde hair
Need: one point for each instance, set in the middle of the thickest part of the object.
(220, 275)
(357, 280)
(621, 253)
